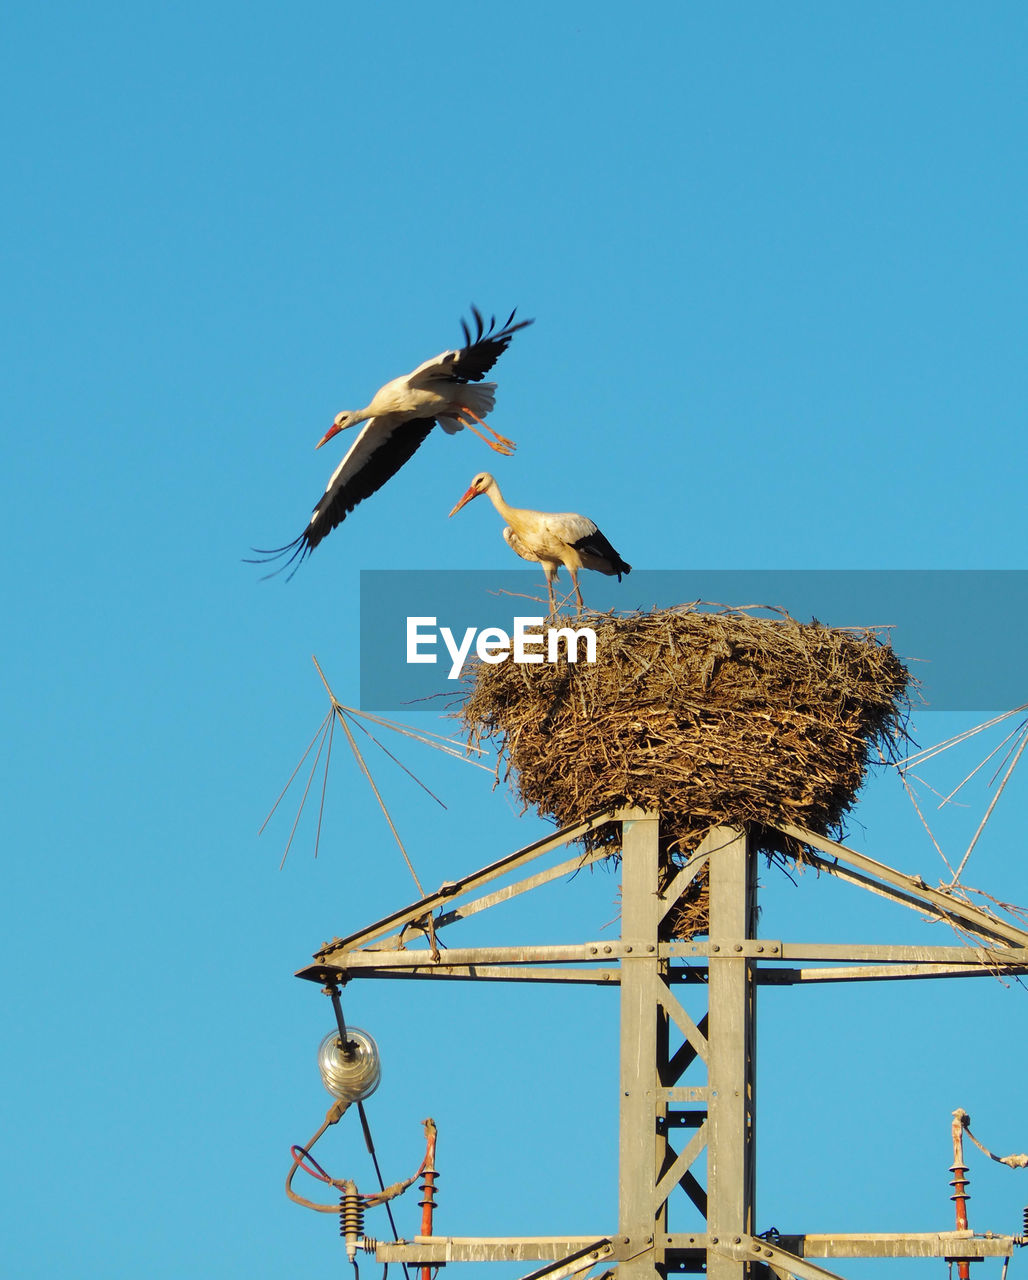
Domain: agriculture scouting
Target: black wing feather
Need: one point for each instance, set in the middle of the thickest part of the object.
(382, 465)
(595, 544)
(477, 357)
(340, 499)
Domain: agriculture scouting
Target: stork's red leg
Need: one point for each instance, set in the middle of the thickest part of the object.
(578, 593)
(510, 445)
(500, 448)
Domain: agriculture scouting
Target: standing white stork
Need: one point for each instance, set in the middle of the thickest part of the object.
(551, 538)
(447, 389)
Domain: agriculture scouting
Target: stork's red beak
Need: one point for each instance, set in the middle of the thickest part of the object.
(332, 431)
(471, 493)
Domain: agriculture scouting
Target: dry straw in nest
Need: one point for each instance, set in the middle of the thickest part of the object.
(707, 717)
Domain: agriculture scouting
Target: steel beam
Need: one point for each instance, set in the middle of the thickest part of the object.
(543, 953)
(489, 973)
(783, 1250)
(730, 1036)
(743, 1250)
(908, 1244)
(674, 890)
(584, 1260)
(447, 892)
(435, 1250)
(567, 868)
(640, 1150)
(883, 973)
(883, 953)
(941, 903)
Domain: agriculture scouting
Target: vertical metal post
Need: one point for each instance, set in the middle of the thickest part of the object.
(731, 1103)
(638, 1212)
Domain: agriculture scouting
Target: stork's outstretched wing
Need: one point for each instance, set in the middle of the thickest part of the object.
(478, 355)
(380, 450)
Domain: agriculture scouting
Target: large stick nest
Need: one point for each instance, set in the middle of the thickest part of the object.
(710, 718)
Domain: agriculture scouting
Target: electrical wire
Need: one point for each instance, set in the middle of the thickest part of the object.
(378, 1173)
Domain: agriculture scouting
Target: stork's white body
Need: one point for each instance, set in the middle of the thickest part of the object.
(428, 392)
(550, 538)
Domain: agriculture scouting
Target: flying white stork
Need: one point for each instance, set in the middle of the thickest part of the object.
(447, 389)
(551, 538)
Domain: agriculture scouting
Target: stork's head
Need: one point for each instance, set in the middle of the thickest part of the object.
(480, 484)
(339, 423)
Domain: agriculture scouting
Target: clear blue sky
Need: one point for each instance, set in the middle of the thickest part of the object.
(776, 256)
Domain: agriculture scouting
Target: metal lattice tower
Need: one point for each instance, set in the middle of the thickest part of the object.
(665, 1125)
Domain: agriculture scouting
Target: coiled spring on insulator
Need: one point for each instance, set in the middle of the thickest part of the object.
(1024, 1221)
(351, 1222)
(351, 1212)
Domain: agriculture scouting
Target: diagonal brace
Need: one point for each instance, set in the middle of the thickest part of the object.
(682, 1162)
(680, 883)
(781, 1262)
(671, 1006)
(937, 901)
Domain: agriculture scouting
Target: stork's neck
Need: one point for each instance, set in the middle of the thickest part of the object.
(508, 512)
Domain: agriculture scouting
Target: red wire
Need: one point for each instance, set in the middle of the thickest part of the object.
(300, 1154)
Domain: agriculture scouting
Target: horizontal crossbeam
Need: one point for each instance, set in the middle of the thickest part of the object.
(882, 973)
(433, 1250)
(911, 1244)
(469, 973)
(497, 964)
(883, 953)
(783, 1249)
